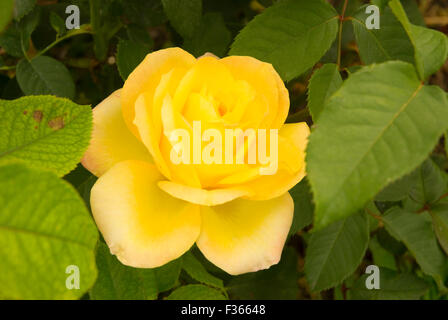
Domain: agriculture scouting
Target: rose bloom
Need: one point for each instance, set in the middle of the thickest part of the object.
(149, 210)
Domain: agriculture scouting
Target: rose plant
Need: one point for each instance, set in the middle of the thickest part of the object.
(206, 149)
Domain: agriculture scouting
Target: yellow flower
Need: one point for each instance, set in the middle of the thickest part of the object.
(151, 210)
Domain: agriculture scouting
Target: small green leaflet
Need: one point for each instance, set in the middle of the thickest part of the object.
(211, 36)
(381, 257)
(10, 41)
(129, 55)
(184, 16)
(380, 45)
(139, 35)
(44, 228)
(303, 206)
(23, 7)
(292, 35)
(119, 282)
(416, 232)
(6, 13)
(45, 75)
(167, 275)
(58, 24)
(46, 132)
(439, 214)
(425, 48)
(430, 185)
(278, 282)
(377, 127)
(196, 292)
(324, 82)
(335, 252)
(398, 189)
(393, 286)
(197, 271)
(400, 13)
(432, 47)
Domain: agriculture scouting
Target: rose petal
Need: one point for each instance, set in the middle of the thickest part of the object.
(143, 225)
(245, 236)
(111, 140)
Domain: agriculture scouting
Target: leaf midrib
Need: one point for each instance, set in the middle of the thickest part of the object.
(369, 149)
(329, 251)
(377, 41)
(44, 235)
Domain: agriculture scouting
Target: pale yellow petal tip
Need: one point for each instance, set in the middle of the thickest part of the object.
(208, 54)
(263, 265)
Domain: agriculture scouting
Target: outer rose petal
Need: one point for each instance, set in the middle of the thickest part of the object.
(245, 236)
(111, 140)
(270, 186)
(143, 225)
(201, 196)
(147, 75)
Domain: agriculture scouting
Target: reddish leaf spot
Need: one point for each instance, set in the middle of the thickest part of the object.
(38, 115)
(56, 123)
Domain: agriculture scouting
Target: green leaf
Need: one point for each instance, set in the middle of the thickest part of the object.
(377, 127)
(279, 282)
(393, 286)
(303, 206)
(168, 275)
(145, 13)
(197, 271)
(390, 243)
(184, 16)
(413, 12)
(380, 3)
(211, 36)
(45, 75)
(10, 41)
(22, 8)
(410, 6)
(44, 228)
(46, 132)
(401, 15)
(398, 189)
(57, 23)
(324, 82)
(129, 55)
(432, 47)
(381, 257)
(27, 26)
(424, 47)
(292, 35)
(430, 185)
(335, 252)
(139, 35)
(439, 214)
(119, 282)
(415, 230)
(196, 292)
(390, 42)
(6, 13)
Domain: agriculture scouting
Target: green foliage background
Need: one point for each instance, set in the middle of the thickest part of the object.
(377, 157)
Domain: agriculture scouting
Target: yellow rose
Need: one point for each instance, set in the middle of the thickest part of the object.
(151, 210)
